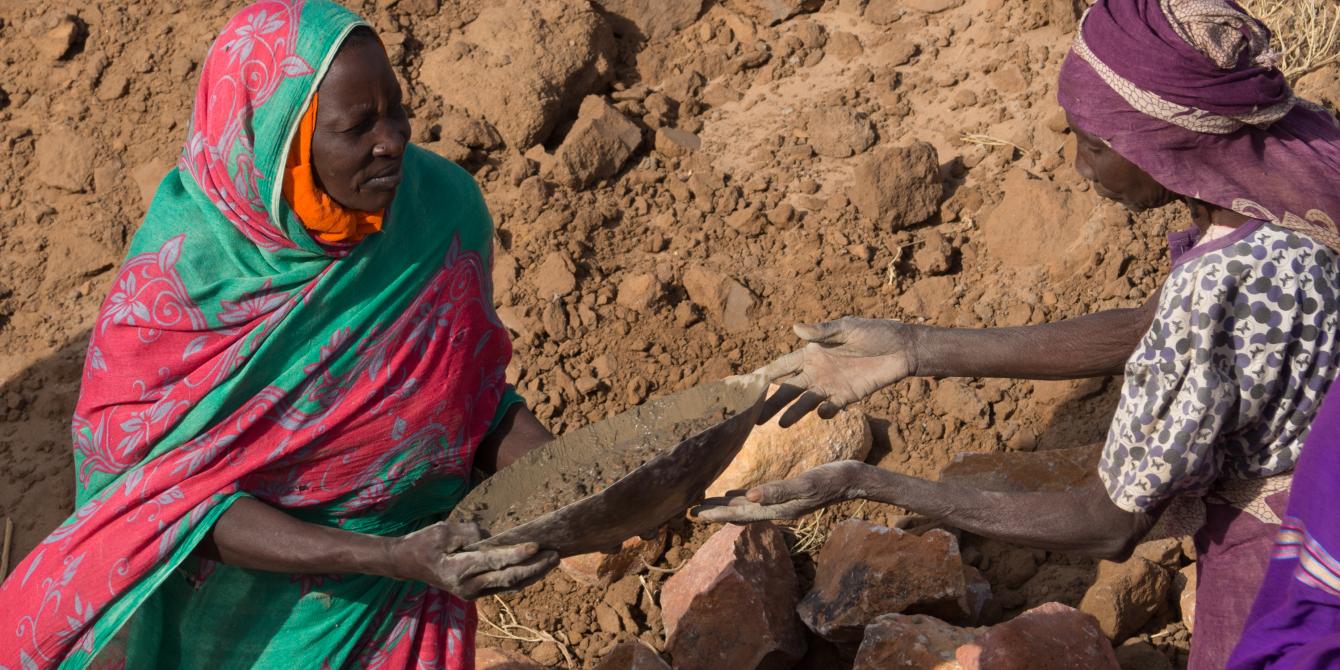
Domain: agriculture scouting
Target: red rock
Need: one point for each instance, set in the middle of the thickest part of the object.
(674, 142)
(866, 570)
(898, 186)
(1126, 595)
(632, 656)
(1047, 637)
(733, 604)
(640, 292)
(488, 658)
(603, 568)
(839, 132)
(912, 641)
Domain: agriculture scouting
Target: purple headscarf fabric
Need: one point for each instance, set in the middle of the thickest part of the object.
(1187, 90)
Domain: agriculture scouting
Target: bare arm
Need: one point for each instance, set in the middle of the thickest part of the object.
(1082, 520)
(846, 360)
(1094, 345)
(517, 434)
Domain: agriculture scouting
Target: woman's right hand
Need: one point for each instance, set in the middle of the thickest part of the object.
(842, 361)
(433, 556)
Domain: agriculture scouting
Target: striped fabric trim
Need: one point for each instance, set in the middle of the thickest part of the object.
(1316, 567)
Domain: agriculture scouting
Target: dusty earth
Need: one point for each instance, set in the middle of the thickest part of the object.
(745, 164)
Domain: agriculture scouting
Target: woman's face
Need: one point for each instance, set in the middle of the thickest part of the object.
(361, 127)
(1116, 178)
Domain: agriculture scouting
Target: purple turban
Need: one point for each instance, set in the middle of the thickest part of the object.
(1188, 90)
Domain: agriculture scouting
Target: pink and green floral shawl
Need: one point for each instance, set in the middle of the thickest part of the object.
(235, 356)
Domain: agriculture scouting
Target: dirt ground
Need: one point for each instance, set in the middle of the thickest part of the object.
(94, 98)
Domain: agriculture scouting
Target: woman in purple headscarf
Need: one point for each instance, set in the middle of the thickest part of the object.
(1226, 369)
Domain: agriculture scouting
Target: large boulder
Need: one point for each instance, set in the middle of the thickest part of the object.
(522, 65)
(898, 187)
(866, 570)
(733, 605)
(773, 452)
(598, 145)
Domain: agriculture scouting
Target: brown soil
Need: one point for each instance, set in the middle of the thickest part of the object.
(90, 124)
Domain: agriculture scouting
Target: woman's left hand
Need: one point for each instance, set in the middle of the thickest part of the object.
(787, 499)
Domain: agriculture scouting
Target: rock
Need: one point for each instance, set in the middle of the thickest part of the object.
(898, 186)
(599, 143)
(505, 271)
(932, 6)
(1126, 595)
(928, 296)
(546, 654)
(733, 605)
(632, 656)
(112, 87)
(865, 570)
(555, 276)
(772, 12)
(839, 132)
(772, 452)
(723, 298)
(489, 658)
(883, 12)
(61, 40)
(1141, 655)
(1047, 637)
(64, 160)
(843, 46)
(604, 568)
(469, 132)
(1015, 472)
(934, 256)
(521, 65)
(911, 641)
(977, 593)
(674, 142)
(640, 292)
(654, 19)
(1186, 598)
(1166, 552)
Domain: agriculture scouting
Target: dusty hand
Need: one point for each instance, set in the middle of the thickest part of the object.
(842, 362)
(433, 556)
(788, 499)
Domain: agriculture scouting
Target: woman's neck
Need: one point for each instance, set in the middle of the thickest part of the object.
(1204, 215)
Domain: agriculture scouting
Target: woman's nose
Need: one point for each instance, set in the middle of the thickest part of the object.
(390, 141)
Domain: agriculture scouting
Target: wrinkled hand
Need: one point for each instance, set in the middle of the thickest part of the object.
(842, 362)
(433, 556)
(788, 499)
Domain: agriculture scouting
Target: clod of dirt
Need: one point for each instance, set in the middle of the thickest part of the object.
(674, 142)
(64, 160)
(599, 143)
(640, 292)
(722, 297)
(898, 186)
(522, 65)
(555, 276)
(839, 132)
(63, 40)
(772, 12)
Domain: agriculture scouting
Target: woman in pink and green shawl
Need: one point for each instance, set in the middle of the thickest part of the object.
(296, 370)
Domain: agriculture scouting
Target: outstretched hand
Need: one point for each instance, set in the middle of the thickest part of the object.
(787, 499)
(842, 362)
(434, 556)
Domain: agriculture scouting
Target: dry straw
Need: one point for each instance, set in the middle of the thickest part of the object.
(1307, 32)
(508, 628)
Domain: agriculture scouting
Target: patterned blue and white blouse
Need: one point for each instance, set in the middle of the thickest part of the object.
(1225, 383)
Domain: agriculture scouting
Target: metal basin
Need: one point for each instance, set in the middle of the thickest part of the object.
(640, 501)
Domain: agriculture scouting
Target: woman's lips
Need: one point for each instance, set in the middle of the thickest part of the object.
(384, 182)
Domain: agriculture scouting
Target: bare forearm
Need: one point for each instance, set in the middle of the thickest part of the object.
(256, 536)
(1089, 346)
(1083, 520)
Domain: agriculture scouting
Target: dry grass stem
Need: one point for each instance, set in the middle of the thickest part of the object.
(809, 533)
(989, 141)
(508, 628)
(1307, 32)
